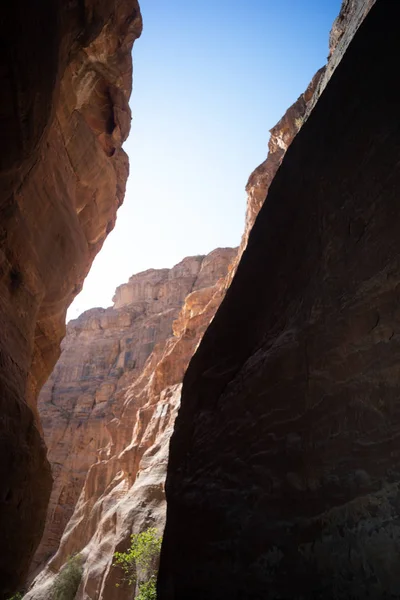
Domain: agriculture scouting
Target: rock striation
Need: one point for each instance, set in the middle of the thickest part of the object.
(283, 477)
(65, 72)
(108, 411)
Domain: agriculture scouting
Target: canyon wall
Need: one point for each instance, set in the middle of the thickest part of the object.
(109, 407)
(65, 82)
(352, 13)
(108, 410)
(283, 477)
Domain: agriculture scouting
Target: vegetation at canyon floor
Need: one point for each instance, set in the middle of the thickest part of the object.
(140, 563)
(67, 582)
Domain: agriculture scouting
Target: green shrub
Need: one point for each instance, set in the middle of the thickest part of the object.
(148, 589)
(67, 582)
(17, 596)
(140, 563)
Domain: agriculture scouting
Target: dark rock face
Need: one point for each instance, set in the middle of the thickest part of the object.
(284, 477)
(65, 76)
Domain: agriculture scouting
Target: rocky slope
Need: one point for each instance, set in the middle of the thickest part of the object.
(65, 79)
(284, 459)
(108, 411)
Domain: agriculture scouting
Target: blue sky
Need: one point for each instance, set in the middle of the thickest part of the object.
(210, 80)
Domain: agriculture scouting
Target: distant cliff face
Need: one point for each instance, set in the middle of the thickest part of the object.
(65, 74)
(284, 462)
(108, 411)
(104, 349)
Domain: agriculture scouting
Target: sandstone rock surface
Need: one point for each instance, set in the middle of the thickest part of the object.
(65, 72)
(283, 478)
(108, 411)
(352, 13)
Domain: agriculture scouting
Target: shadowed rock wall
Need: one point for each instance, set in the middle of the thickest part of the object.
(65, 75)
(283, 478)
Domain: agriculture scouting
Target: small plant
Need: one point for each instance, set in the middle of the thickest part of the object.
(67, 582)
(140, 563)
(148, 589)
(299, 122)
(17, 596)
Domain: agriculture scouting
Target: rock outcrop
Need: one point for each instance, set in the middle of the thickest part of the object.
(65, 82)
(108, 412)
(283, 477)
(351, 15)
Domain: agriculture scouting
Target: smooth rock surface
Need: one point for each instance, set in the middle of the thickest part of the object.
(283, 479)
(65, 74)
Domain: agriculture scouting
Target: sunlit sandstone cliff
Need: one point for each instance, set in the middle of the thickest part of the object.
(65, 73)
(284, 464)
(108, 411)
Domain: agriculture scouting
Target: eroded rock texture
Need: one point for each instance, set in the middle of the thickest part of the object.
(283, 480)
(65, 81)
(108, 412)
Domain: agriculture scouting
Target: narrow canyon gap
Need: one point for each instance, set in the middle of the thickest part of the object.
(65, 73)
(283, 478)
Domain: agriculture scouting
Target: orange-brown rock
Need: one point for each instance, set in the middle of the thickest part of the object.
(65, 72)
(282, 135)
(351, 14)
(108, 412)
(283, 478)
